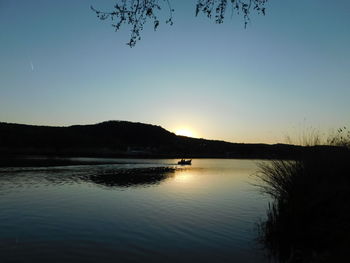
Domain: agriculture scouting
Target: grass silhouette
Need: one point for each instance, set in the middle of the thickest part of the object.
(308, 219)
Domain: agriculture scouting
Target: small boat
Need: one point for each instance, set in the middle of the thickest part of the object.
(184, 162)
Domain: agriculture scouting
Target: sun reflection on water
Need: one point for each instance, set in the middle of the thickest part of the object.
(183, 177)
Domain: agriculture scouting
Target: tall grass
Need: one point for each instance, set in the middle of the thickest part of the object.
(308, 219)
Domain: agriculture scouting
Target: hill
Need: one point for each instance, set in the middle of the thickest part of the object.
(125, 139)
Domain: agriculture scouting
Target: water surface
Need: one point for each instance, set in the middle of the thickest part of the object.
(206, 212)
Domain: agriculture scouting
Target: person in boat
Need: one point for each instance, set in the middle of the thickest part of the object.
(183, 161)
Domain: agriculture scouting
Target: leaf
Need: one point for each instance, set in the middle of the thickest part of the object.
(156, 24)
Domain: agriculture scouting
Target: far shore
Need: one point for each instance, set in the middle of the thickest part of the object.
(50, 160)
(44, 160)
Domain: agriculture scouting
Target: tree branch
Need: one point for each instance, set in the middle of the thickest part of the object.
(135, 13)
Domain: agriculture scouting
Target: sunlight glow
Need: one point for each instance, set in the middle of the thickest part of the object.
(184, 132)
(183, 177)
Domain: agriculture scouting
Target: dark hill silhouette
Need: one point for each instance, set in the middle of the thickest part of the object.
(123, 139)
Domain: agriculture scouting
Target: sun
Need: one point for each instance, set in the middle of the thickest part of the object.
(184, 132)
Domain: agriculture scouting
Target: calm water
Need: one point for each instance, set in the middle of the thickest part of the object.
(204, 213)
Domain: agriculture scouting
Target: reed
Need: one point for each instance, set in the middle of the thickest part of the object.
(308, 219)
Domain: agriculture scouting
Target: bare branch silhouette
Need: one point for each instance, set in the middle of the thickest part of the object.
(136, 13)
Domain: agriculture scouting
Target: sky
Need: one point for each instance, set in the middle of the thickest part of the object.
(287, 72)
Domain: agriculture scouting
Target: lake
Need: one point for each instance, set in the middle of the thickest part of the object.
(207, 212)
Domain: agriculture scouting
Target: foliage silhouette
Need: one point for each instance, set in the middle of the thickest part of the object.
(135, 13)
(309, 217)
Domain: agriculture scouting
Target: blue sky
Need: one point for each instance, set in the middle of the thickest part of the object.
(290, 69)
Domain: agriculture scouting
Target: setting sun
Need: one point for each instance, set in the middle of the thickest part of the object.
(184, 132)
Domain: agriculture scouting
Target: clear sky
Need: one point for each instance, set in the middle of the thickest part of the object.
(290, 69)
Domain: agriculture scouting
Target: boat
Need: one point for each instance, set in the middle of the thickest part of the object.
(184, 162)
